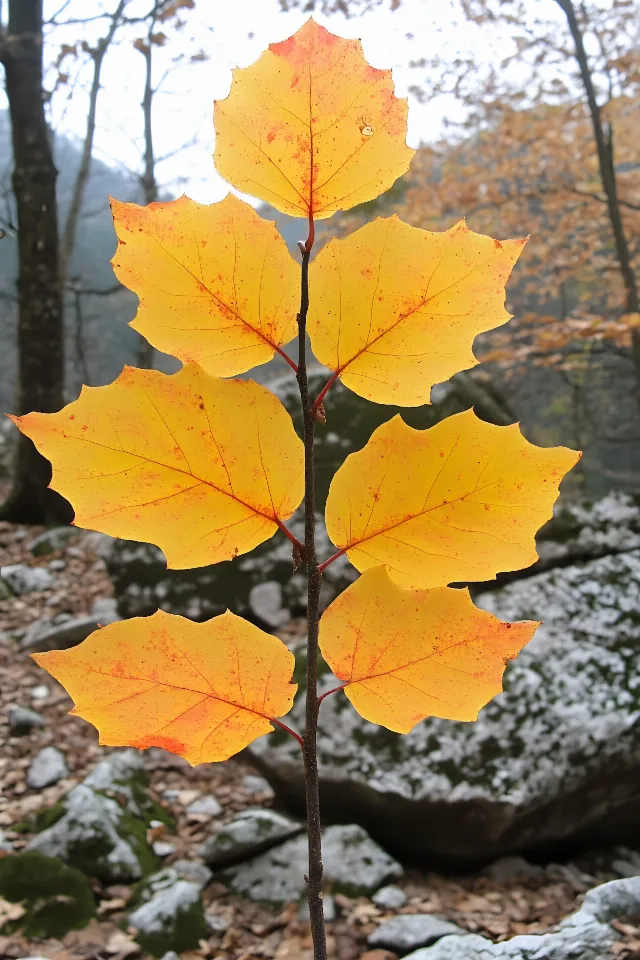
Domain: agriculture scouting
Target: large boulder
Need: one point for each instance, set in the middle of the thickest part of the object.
(554, 758)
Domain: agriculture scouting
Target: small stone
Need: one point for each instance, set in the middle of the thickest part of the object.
(192, 870)
(105, 610)
(253, 831)
(56, 538)
(55, 566)
(23, 579)
(23, 721)
(265, 601)
(162, 849)
(254, 784)
(5, 845)
(173, 917)
(216, 923)
(390, 897)
(409, 931)
(46, 768)
(206, 806)
(41, 692)
(353, 864)
(170, 955)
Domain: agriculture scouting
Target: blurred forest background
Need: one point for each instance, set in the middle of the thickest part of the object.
(543, 140)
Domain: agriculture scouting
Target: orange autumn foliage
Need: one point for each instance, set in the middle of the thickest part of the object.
(209, 468)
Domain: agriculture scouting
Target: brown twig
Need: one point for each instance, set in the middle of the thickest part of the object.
(309, 750)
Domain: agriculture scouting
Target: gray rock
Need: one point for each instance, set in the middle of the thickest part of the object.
(265, 600)
(390, 897)
(590, 530)
(5, 845)
(47, 767)
(23, 721)
(40, 692)
(253, 831)
(207, 806)
(170, 955)
(23, 579)
(116, 770)
(192, 870)
(216, 923)
(257, 785)
(162, 849)
(56, 538)
(411, 930)
(47, 635)
(105, 610)
(353, 864)
(586, 935)
(55, 566)
(556, 756)
(172, 918)
(92, 834)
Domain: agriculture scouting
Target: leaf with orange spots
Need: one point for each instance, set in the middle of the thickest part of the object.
(458, 502)
(217, 285)
(311, 127)
(201, 690)
(409, 654)
(204, 468)
(395, 309)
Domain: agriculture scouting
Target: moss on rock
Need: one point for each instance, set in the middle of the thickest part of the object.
(56, 898)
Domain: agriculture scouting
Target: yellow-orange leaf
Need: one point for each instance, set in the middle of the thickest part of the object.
(217, 285)
(395, 309)
(204, 468)
(201, 690)
(409, 654)
(458, 502)
(311, 127)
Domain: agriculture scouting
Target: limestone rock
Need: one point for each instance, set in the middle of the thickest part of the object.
(100, 826)
(23, 579)
(173, 919)
(353, 864)
(206, 806)
(390, 897)
(253, 831)
(408, 931)
(556, 756)
(56, 538)
(23, 721)
(50, 635)
(47, 767)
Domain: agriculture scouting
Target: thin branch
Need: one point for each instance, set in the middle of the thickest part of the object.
(288, 730)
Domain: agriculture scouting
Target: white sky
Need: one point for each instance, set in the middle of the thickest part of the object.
(234, 33)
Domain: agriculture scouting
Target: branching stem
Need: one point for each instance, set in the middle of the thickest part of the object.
(329, 692)
(324, 392)
(309, 749)
(334, 556)
(290, 536)
(293, 733)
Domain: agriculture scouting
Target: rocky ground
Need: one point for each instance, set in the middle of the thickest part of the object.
(510, 898)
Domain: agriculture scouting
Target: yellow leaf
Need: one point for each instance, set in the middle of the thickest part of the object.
(204, 468)
(458, 502)
(217, 285)
(409, 654)
(201, 690)
(395, 309)
(312, 128)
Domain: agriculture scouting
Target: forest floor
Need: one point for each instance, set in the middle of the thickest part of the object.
(475, 902)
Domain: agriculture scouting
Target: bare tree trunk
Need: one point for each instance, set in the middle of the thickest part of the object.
(82, 176)
(40, 324)
(148, 179)
(604, 147)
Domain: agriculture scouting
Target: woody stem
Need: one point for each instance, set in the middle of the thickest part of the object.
(314, 575)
